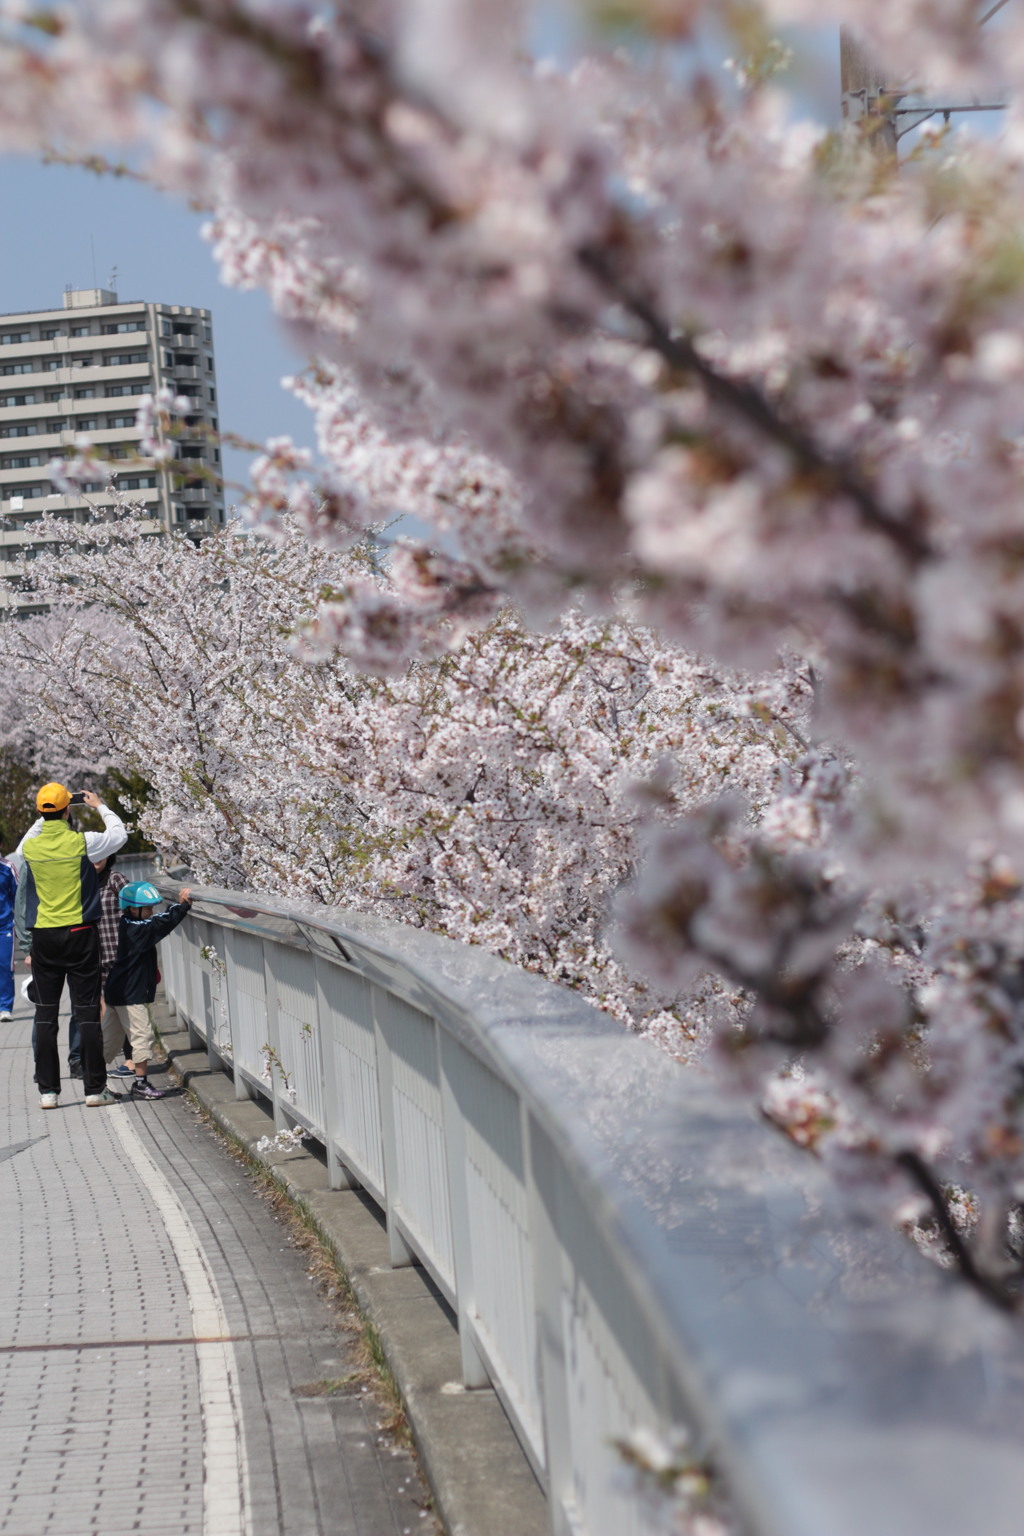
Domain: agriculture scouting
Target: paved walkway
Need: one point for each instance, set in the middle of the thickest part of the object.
(156, 1330)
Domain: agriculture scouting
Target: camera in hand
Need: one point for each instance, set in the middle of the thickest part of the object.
(78, 798)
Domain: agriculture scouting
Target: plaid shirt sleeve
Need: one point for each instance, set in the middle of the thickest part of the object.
(110, 918)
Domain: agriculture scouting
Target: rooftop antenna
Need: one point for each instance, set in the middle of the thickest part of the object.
(112, 285)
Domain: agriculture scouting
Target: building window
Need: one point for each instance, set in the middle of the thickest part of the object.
(118, 453)
(179, 514)
(18, 400)
(209, 363)
(18, 368)
(122, 327)
(186, 359)
(138, 483)
(113, 390)
(125, 359)
(87, 424)
(55, 426)
(81, 330)
(51, 334)
(51, 364)
(191, 453)
(191, 391)
(15, 338)
(207, 335)
(24, 429)
(54, 394)
(213, 394)
(120, 421)
(88, 393)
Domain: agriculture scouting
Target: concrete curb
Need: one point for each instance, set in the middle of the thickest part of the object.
(481, 1481)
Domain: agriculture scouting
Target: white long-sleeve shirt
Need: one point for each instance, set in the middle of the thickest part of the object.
(98, 845)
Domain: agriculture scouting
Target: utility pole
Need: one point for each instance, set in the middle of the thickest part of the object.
(867, 95)
(887, 110)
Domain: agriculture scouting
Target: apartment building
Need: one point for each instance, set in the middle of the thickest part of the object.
(84, 368)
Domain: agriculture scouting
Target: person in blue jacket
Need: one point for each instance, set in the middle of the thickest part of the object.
(8, 892)
(131, 981)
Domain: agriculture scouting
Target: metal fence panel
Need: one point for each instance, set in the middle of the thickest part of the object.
(418, 1182)
(298, 1036)
(243, 955)
(349, 1039)
(501, 1303)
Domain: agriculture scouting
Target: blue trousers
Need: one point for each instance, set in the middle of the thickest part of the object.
(6, 969)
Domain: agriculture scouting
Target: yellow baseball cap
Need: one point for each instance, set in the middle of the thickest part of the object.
(53, 797)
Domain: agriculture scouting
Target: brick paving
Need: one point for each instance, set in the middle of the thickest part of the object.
(156, 1328)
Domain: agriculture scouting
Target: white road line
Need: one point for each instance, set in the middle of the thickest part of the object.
(225, 1469)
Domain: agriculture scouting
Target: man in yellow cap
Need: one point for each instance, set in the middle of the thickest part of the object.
(62, 911)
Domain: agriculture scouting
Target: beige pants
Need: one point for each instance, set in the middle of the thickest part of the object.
(131, 1019)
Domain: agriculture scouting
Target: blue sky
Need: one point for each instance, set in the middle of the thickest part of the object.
(67, 226)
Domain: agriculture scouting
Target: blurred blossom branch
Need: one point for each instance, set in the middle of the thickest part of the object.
(713, 419)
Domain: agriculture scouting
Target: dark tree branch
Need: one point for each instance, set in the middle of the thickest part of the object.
(914, 1165)
(747, 402)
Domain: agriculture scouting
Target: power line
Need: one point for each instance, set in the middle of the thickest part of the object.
(989, 14)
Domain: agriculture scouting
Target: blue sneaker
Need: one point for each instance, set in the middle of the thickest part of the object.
(121, 1071)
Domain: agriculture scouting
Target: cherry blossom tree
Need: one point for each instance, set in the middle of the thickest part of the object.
(496, 793)
(638, 339)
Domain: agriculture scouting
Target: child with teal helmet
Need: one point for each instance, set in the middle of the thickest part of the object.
(131, 984)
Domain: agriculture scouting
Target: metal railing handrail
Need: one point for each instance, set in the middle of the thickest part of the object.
(675, 1260)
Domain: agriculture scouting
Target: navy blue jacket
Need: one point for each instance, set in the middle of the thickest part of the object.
(132, 977)
(8, 892)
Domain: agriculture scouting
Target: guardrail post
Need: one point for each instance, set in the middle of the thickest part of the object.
(195, 1039)
(399, 1252)
(474, 1372)
(174, 950)
(338, 1176)
(542, 1192)
(281, 1118)
(242, 1089)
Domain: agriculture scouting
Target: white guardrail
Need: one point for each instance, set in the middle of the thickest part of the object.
(623, 1247)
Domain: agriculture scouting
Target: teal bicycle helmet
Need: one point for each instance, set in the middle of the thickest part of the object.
(139, 894)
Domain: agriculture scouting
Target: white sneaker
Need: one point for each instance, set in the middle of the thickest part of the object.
(95, 1100)
(6, 1016)
(47, 1101)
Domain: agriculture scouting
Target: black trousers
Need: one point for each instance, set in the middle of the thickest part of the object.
(71, 954)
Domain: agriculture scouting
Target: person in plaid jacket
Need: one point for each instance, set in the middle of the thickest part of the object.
(111, 885)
